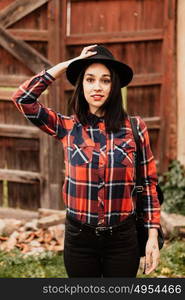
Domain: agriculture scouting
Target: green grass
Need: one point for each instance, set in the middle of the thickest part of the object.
(46, 265)
(50, 265)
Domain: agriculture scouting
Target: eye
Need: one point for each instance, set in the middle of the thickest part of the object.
(106, 81)
(89, 80)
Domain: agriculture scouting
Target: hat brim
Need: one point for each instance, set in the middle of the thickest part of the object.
(124, 72)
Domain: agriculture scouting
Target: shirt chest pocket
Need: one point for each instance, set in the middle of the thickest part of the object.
(79, 154)
(124, 154)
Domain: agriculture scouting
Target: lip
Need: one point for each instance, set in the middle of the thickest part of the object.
(97, 97)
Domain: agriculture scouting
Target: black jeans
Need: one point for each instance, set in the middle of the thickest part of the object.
(106, 255)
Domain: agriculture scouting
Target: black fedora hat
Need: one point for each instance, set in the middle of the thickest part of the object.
(104, 56)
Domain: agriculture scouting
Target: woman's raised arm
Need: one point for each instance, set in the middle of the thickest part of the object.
(60, 68)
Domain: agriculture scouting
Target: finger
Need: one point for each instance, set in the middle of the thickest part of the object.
(154, 263)
(148, 262)
(91, 53)
(87, 54)
(151, 269)
(88, 48)
(91, 46)
(144, 266)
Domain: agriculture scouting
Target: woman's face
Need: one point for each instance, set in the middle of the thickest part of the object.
(96, 86)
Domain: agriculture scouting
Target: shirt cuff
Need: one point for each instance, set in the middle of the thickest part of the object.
(50, 76)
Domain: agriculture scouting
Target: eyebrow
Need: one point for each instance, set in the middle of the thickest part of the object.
(104, 75)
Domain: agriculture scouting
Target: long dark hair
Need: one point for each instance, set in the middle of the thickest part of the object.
(113, 111)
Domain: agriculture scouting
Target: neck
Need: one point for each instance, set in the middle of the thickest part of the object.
(96, 112)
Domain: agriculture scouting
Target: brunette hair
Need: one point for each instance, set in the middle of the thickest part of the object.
(112, 109)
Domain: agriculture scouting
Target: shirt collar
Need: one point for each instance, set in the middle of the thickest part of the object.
(93, 119)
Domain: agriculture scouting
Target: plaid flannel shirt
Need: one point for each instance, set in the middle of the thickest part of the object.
(100, 179)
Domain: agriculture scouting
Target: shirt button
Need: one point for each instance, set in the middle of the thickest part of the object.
(102, 204)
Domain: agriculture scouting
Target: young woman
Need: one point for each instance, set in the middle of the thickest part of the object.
(100, 236)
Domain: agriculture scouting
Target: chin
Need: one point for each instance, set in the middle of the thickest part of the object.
(97, 106)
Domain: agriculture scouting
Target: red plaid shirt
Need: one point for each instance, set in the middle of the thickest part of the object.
(100, 167)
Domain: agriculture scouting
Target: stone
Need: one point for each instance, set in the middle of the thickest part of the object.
(32, 225)
(11, 225)
(2, 226)
(35, 244)
(11, 242)
(17, 213)
(57, 232)
(23, 236)
(34, 236)
(44, 212)
(51, 220)
(3, 246)
(173, 224)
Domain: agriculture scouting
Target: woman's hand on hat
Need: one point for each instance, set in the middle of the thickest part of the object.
(60, 68)
(87, 52)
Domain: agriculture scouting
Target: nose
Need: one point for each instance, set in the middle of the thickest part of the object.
(97, 85)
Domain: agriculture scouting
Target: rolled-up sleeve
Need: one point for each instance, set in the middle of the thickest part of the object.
(26, 101)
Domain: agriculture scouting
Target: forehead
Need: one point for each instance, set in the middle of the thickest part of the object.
(97, 68)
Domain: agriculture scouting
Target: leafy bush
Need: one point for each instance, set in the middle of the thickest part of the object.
(172, 184)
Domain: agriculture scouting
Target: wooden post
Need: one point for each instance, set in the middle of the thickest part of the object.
(181, 81)
(23, 52)
(51, 159)
(168, 141)
(17, 10)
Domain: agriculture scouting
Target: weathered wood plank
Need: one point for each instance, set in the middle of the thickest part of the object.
(6, 94)
(63, 50)
(17, 10)
(86, 0)
(11, 81)
(153, 122)
(20, 176)
(29, 34)
(19, 131)
(181, 83)
(19, 214)
(23, 52)
(115, 37)
(168, 138)
(147, 79)
(52, 148)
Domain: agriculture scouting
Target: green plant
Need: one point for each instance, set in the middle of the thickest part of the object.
(172, 184)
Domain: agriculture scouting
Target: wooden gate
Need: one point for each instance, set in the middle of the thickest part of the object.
(141, 33)
(39, 33)
(31, 164)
